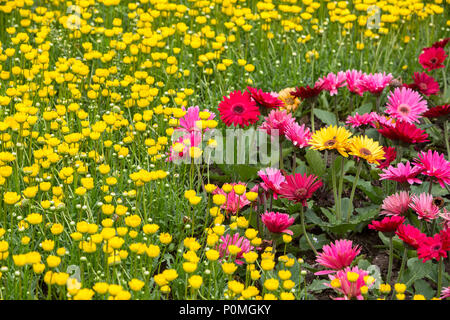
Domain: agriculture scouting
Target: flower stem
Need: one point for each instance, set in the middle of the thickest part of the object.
(439, 283)
(341, 184)
(391, 258)
(447, 143)
(302, 217)
(402, 266)
(352, 194)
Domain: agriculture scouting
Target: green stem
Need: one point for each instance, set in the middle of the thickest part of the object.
(439, 283)
(391, 258)
(446, 138)
(402, 266)
(341, 184)
(352, 194)
(302, 217)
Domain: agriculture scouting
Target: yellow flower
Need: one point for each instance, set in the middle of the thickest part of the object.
(271, 284)
(331, 137)
(136, 284)
(34, 218)
(251, 196)
(189, 267)
(53, 261)
(165, 238)
(366, 148)
(219, 199)
(212, 255)
(11, 197)
(229, 267)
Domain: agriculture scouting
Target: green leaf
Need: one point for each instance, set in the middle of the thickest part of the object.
(325, 116)
(424, 288)
(418, 269)
(317, 285)
(315, 161)
(365, 108)
(318, 241)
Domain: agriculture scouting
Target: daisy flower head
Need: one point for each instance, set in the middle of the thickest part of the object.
(366, 148)
(406, 104)
(238, 109)
(277, 120)
(424, 207)
(440, 112)
(299, 135)
(290, 102)
(277, 222)
(404, 132)
(360, 120)
(433, 164)
(307, 92)
(432, 58)
(396, 204)
(331, 137)
(410, 235)
(424, 84)
(265, 99)
(332, 82)
(388, 225)
(432, 248)
(242, 242)
(272, 180)
(349, 283)
(353, 79)
(403, 173)
(299, 188)
(375, 83)
(390, 155)
(337, 256)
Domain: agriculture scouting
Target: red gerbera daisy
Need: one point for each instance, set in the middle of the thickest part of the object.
(432, 58)
(424, 84)
(238, 109)
(389, 154)
(410, 235)
(433, 164)
(441, 44)
(438, 111)
(265, 99)
(299, 188)
(307, 92)
(388, 225)
(404, 132)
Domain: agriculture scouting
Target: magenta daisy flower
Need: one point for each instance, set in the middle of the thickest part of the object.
(404, 173)
(350, 289)
(238, 109)
(265, 99)
(279, 120)
(272, 179)
(433, 164)
(404, 132)
(337, 256)
(396, 204)
(388, 225)
(432, 248)
(424, 207)
(375, 83)
(299, 188)
(354, 79)
(299, 135)
(332, 82)
(432, 58)
(424, 84)
(390, 155)
(277, 222)
(406, 104)
(359, 120)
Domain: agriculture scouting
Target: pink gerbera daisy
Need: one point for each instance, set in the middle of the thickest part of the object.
(299, 188)
(354, 78)
(331, 82)
(396, 204)
(238, 109)
(238, 241)
(190, 119)
(406, 104)
(265, 99)
(337, 256)
(277, 222)
(360, 120)
(445, 293)
(350, 289)
(272, 179)
(299, 135)
(432, 58)
(424, 84)
(234, 201)
(433, 164)
(424, 207)
(375, 83)
(279, 120)
(404, 173)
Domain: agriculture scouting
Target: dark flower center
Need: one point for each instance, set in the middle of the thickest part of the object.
(365, 151)
(434, 60)
(238, 108)
(438, 202)
(423, 86)
(330, 143)
(301, 193)
(436, 247)
(404, 109)
(289, 101)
